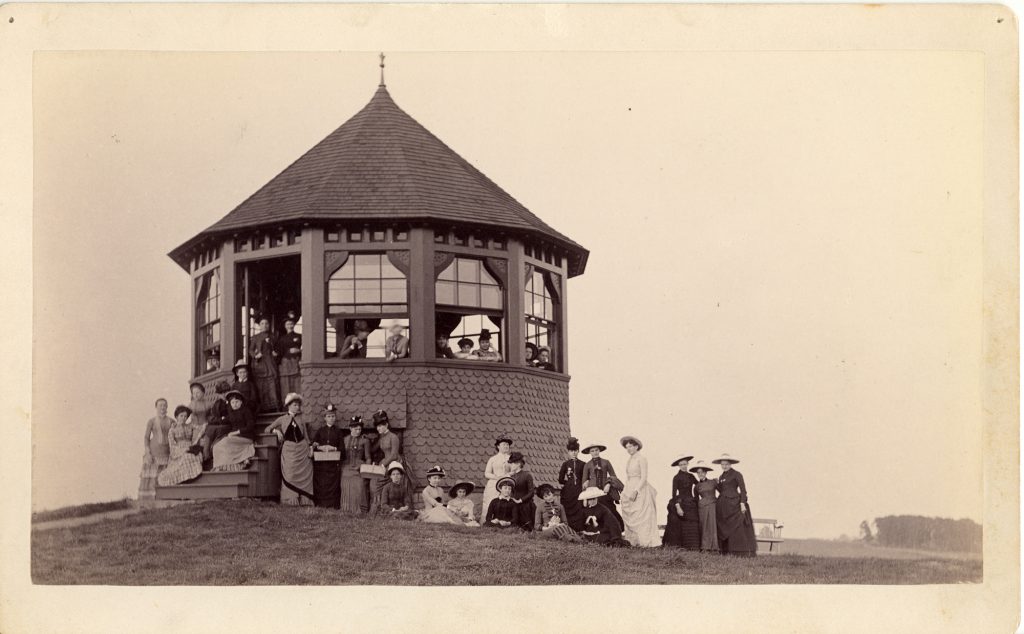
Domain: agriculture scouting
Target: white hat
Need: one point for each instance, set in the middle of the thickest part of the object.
(293, 396)
(701, 465)
(591, 493)
(725, 458)
(395, 465)
(681, 458)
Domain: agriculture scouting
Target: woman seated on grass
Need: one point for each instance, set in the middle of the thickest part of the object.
(434, 511)
(502, 511)
(395, 498)
(600, 526)
(186, 451)
(550, 520)
(461, 505)
(234, 451)
(522, 490)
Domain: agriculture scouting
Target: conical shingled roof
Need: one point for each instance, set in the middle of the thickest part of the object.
(383, 165)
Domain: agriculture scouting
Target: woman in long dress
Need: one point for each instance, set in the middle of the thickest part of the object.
(707, 493)
(328, 446)
(184, 438)
(434, 511)
(461, 505)
(156, 450)
(296, 466)
(357, 453)
(263, 355)
(570, 476)
(523, 491)
(235, 450)
(639, 509)
(735, 525)
(496, 469)
(682, 530)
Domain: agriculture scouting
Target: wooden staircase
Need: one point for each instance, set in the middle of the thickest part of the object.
(261, 480)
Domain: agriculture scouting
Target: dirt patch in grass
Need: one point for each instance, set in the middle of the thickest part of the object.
(244, 542)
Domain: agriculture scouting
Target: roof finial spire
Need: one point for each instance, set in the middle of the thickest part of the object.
(382, 69)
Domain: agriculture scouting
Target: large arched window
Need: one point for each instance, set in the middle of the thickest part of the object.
(208, 322)
(542, 314)
(365, 297)
(470, 302)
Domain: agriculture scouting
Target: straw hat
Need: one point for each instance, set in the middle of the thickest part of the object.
(291, 398)
(436, 470)
(462, 484)
(701, 465)
(591, 493)
(725, 458)
(395, 465)
(503, 481)
(592, 445)
(675, 463)
(632, 439)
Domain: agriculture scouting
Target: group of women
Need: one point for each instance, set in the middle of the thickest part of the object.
(345, 469)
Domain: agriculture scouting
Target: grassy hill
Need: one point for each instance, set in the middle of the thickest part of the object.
(247, 542)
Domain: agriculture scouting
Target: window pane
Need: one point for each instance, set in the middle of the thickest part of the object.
(549, 309)
(469, 270)
(355, 236)
(479, 243)
(440, 238)
(377, 235)
(490, 297)
(445, 292)
(448, 273)
(393, 291)
(341, 309)
(367, 291)
(469, 295)
(401, 235)
(486, 277)
(388, 270)
(367, 266)
(395, 308)
(332, 236)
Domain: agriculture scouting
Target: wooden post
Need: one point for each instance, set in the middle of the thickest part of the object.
(312, 291)
(421, 293)
(515, 319)
(229, 305)
(562, 340)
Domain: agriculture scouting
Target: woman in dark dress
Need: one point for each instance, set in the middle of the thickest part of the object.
(570, 476)
(683, 527)
(328, 442)
(735, 525)
(502, 510)
(523, 491)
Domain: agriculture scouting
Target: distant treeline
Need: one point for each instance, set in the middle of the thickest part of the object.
(927, 533)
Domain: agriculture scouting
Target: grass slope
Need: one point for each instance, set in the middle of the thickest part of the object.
(82, 510)
(249, 542)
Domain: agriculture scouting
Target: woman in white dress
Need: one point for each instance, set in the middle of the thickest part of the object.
(639, 510)
(497, 468)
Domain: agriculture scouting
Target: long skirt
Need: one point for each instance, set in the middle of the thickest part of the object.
(640, 516)
(735, 528)
(561, 532)
(296, 473)
(327, 483)
(266, 387)
(573, 507)
(490, 492)
(230, 451)
(353, 491)
(609, 504)
(290, 380)
(147, 478)
(439, 515)
(525, 512)
(708, 528)
(185, 467)
(682, 532)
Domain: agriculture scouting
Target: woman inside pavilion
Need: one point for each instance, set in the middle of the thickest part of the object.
(570, 477)
(357, 453)
(236, 449)
(354, 345)
(328, 443)
(485, 352)
(156, 450)
(289, 351)
(734, 523)
(296, 468)
(682, 530)
(263, 352)
(396, 346)
(639, 509)
(184, 437)
(497, 468)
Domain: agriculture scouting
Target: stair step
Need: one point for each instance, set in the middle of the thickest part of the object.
(194, 491)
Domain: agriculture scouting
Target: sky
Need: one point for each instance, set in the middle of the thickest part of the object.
(785, 249)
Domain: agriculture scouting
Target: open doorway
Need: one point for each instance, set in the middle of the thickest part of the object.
(268, 289)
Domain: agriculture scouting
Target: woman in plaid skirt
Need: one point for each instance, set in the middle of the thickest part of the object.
(186, 451)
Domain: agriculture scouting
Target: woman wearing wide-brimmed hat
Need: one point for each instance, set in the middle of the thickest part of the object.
(639, 508)
(501, 512)
(599, 525)
(570, 477)
(735, 525)
(707, 494)
(395, 499)
(600, 473)
(296, 467)
(682, 530)
(497, 468)
(460, 504)
(235, 450)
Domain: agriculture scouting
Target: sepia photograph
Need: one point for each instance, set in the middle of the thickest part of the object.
(433, 318)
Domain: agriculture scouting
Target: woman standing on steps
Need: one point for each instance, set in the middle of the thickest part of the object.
(296, 466)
